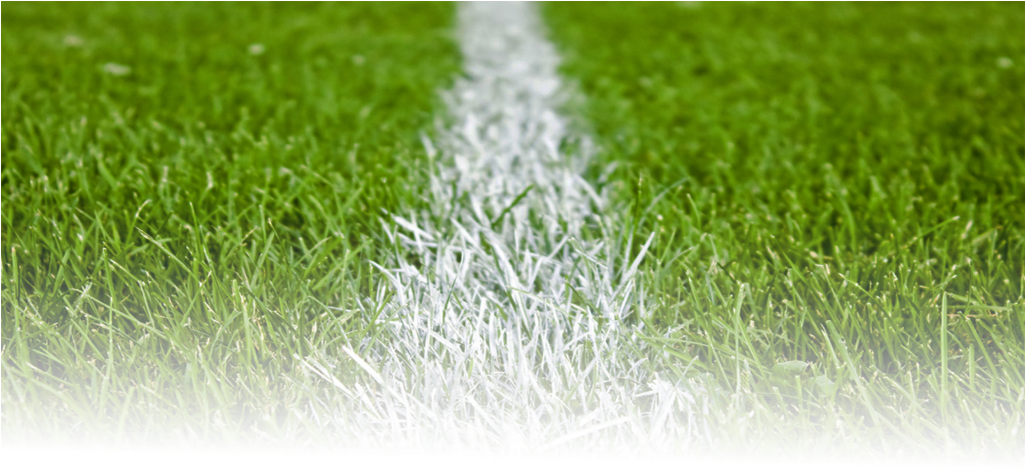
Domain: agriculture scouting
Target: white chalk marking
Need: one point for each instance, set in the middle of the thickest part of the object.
(505, 328)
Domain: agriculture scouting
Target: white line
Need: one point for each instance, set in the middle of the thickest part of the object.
(505, 329)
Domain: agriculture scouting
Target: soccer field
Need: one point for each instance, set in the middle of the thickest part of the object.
(673, 227)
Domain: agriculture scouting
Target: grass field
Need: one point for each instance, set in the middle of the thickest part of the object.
(193, 196)
(189, 193)
(837, 191)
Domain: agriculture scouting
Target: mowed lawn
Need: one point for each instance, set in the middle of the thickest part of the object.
(193, 194)
(839, 196)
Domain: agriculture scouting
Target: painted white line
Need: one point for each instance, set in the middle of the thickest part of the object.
(505, 327)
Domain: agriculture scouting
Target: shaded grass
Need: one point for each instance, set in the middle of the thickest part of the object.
(190, 196)
(836, 192)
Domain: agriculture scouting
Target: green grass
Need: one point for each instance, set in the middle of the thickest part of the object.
(191, 193)
(837, 191)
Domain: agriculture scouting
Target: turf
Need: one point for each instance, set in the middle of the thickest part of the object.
(191, 193)
(837, 195)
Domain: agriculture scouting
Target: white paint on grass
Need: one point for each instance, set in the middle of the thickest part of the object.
(502, 324)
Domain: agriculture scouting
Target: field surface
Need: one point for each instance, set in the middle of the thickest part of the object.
(211, 215)
(837, 191)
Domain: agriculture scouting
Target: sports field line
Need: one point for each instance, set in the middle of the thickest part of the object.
(502, 324)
